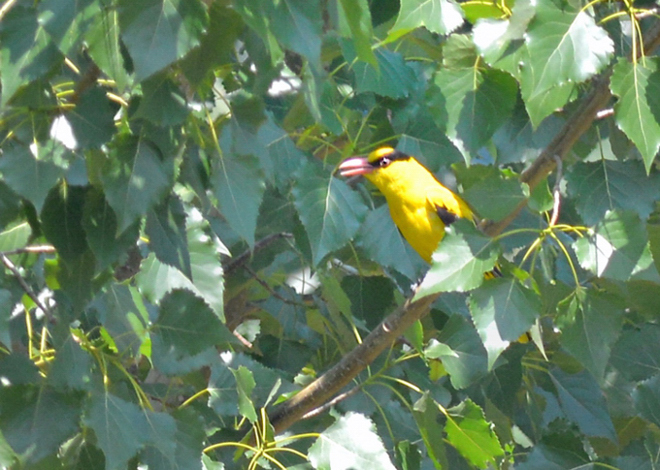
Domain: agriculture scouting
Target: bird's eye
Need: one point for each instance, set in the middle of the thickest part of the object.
(384, 162)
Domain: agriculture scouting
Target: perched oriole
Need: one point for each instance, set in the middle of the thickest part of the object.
(420, 205)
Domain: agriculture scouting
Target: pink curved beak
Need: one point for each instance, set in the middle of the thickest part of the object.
(355, 166)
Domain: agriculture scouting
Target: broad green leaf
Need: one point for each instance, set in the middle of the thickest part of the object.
(354, 20)
(104, 45)
(280, 152)
(636, 355)
(618, 249)
(71, 368)
(36, 422)
(462, 353)
(637, 112)
(121, 428)
(9, 204)
(423, 139)
(187, 324)
(166, 229)
(122, 318)
(393, 77)
(159, 32)
(590, 326)
(438, 16)
(583, 403)
(473, 436)
(647, 399)
(554, 454)
(75, 279)
(495, 196)
(15, 237)
(564, 45)
(296, 24)
(100, 224)
(601, 186)
(32, 176)
(239, 188)
(502, 310)
(541, 104)
(159, 452)
(460, 261)
(6, 306)
(61, 220)
(92, 120)
(135, 177)
(189, 439)
(162, 103)
(244, 385)
(383, 243)
(66, 21)
(329, 210)
(493, 37)
(426, 412)
(351, 442)
(26, 50)
(370, 297)
(471, 106)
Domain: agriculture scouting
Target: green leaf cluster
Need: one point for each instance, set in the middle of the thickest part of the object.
(180, 262)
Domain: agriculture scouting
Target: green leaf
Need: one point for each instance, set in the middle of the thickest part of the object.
(636, 355)
(460, 261)
(473, 436)
(329, 210)
(159, 452)
(462, 353)
(495, 196)
(354, 20)
(29, 176)
(135, 178)
(104, 45)
(471, 106)
(26, 50)
(166, 229)
(636, 112)
(244, 385)
(72, 367)
(100, 224)
(159, 32)
(122, 318)
(36, 422)
(503, 310)
(426, 412)
(423, 139)
(6, 306)
(121, 428)
(564, 45)
(553, 453)
(593, 327)
(61, 221)
(187, 324)
(601, 186)
(618, 249)
(383, 243)
(392, 78)
(162, 103)
(66, 21)
(176, 444)
(9, 205)
(438, 16)
(75, 279)
(647, 399)
(296, 24)
(239, 188)
(92, 120)
(353, 437)
(583, 403)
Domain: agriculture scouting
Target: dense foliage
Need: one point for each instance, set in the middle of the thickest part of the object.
(180, 263)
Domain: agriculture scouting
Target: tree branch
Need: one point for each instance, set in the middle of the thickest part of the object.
(330, 383)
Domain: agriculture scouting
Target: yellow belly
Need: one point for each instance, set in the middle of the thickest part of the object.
(419, 225)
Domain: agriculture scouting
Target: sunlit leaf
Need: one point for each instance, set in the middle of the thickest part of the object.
(438, 16)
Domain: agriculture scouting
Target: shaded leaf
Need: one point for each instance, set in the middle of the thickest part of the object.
(647, 399)
(637, 352)
(354, 20)
(159, 32)
(61, 221)
(329, 210)
(392, 78)
(166, 229)
(92, 120)
(162, 103)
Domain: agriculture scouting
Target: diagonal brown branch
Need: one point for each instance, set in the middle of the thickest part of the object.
(330, 383)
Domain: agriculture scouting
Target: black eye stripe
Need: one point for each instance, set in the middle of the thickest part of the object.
(385, 160)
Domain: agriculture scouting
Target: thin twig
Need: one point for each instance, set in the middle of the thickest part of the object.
(31, 249)
(556, 193)
(28, 290)
(326, 406)
(241, 259)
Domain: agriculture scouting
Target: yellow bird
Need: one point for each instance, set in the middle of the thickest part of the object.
(419, 204)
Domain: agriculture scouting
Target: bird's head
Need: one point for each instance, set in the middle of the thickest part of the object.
(380, 166)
